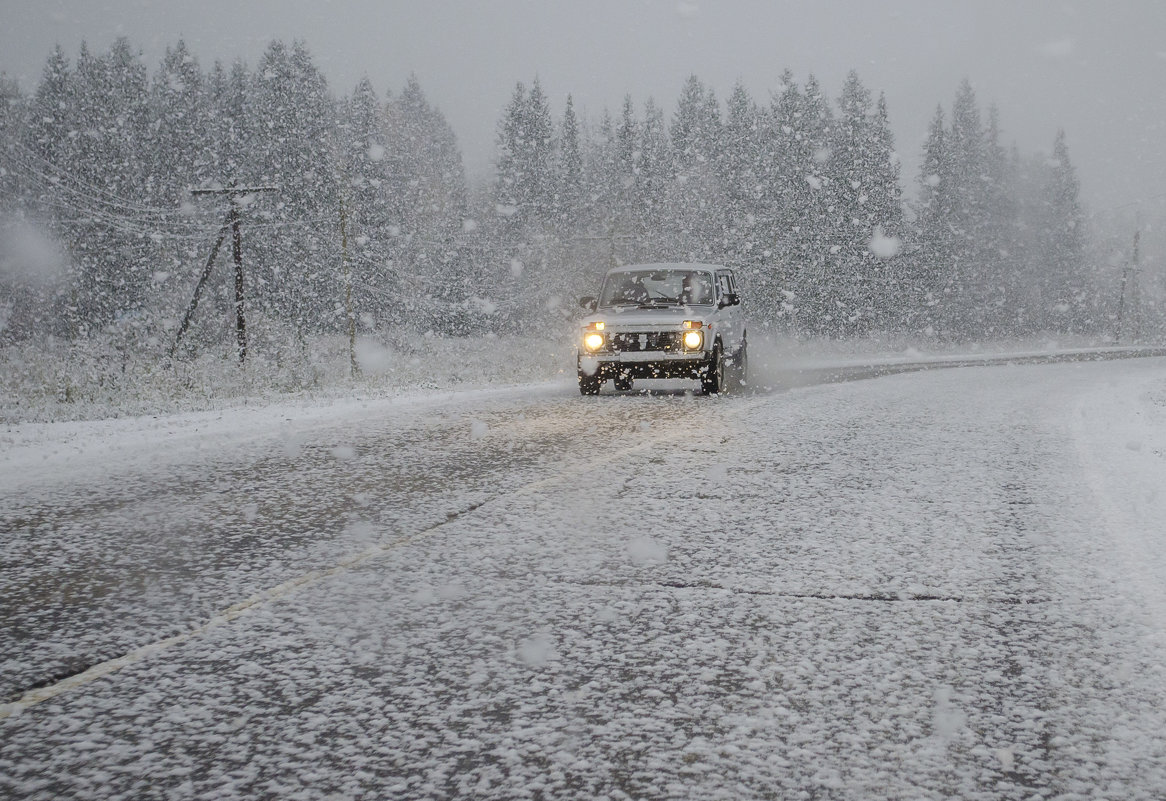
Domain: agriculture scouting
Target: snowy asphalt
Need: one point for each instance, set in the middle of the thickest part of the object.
(921, 586)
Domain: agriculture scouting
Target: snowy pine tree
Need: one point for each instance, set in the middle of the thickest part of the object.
(568, 197)
(854, 158)
(815, 246)
(934, 240)
(230, 124)
(694, 198)
(99, 183)
(368, 204)
(740, 164)
(1060, 256)
(293, 150)
(428, 190)
(625, 191)
(1003, 289)
(654, 179)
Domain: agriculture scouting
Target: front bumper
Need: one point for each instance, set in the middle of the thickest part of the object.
(645, 364)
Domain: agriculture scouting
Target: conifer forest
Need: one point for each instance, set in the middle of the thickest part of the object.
(355, 213)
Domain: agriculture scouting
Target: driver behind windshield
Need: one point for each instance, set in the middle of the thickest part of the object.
(696, 288)
(630, 290)
(687, 287)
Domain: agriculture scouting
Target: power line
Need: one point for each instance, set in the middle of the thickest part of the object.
(76, 200)
(143, 220)
(122, 226)
(93, 192)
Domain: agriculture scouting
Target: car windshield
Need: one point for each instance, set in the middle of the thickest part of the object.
(654, 287)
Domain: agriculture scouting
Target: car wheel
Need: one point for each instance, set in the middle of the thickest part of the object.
(713, 381)
(622, 382)
(589, 384)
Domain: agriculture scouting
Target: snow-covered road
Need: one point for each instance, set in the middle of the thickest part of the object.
(943, 584)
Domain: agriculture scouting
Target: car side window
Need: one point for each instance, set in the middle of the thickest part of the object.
(725, 283)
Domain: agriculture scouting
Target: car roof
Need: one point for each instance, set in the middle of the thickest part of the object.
(666, 265)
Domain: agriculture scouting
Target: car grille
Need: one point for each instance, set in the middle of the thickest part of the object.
(632, 342)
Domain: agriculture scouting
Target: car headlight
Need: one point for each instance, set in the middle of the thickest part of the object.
(593, 341)
(693, 336)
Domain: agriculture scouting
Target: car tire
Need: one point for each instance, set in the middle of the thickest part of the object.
(713, 381)
(589, 384)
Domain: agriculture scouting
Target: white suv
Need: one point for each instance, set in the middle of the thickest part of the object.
(663, 321)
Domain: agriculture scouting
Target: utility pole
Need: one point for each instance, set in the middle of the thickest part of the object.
(233, 224)
(354, 368)
(206, 273)
(1131, 268)
(1134, 310)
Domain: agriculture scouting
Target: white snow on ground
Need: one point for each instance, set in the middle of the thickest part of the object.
(1120, 432)
(933, 585)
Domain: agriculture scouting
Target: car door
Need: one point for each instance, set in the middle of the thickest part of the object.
(732, 324)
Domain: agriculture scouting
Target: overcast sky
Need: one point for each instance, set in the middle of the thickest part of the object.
(1095, 68)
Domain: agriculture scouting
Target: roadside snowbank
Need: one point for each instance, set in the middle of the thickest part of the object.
(89, 380)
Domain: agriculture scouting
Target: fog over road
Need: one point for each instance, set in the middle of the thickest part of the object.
(925, 585)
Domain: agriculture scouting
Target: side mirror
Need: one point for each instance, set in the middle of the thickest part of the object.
(729, 299)
(587, 302)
